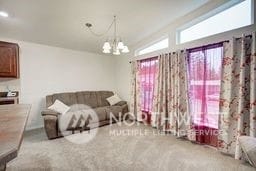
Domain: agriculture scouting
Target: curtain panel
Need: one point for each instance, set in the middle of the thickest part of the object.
(135, 107)
(170, 101)
(238, 94)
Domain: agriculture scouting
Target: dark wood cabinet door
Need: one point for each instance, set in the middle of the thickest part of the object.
(9, 60)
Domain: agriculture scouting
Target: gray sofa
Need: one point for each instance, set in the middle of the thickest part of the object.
(95, 99)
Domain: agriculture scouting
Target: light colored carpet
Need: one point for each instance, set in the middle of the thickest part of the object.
(108, 152)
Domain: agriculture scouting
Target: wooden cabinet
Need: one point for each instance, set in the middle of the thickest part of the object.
(9, 60)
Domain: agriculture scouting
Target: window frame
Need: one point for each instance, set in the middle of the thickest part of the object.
(208, 15)
(137, 51)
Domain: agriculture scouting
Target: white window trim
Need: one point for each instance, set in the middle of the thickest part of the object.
(210, 14)
(152, 43)
(253, 12)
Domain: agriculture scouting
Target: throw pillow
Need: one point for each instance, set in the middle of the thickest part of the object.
(114, 99)
(59, 107)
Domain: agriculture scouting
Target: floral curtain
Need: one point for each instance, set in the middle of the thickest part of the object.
(238, 94)
(135, 107)
(170, 102)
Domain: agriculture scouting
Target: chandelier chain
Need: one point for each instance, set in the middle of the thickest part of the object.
(102, 34)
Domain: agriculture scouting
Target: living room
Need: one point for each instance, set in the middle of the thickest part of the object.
(130, 62)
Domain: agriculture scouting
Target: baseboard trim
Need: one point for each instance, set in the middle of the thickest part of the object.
(34, 127)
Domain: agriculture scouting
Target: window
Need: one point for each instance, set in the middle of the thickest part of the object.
(204, 84)
(147, 73)
(204, 66)
(237, 16)
(154, 47)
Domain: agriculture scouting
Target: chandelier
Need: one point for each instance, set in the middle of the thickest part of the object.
(113, 44)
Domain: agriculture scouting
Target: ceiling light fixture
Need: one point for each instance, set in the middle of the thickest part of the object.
(112, 44)
(3, 14)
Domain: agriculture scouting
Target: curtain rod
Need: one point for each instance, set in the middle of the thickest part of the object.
(145, 59)
(244, 36)
(188, 49)
(225, 41)
(211, 44)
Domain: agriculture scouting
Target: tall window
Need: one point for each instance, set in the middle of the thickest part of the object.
(148, 69)
(204, 87)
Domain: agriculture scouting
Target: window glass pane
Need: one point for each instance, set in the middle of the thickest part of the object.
(157, 46)
(204, 86)
(147, 73)
(235, 17)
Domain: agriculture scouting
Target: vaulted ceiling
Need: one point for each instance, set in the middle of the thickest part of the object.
(62, 22)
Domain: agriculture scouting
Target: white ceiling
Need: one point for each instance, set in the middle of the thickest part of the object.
(61, 22)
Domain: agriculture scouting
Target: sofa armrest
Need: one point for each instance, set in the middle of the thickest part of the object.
(51, 126)
(50, 123)
(121, 103)
(49, 112)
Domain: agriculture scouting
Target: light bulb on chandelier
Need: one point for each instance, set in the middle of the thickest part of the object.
(125, 50)
(120, 45)
(107, 45)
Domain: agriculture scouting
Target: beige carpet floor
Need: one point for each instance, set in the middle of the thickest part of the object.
(108, 152)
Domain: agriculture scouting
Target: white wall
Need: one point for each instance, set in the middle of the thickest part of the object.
(122, 63)
(45, 70)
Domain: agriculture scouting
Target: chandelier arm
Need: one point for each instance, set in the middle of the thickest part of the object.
(102, 34)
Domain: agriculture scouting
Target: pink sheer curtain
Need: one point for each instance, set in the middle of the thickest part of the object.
(204, 90)
(147, 73)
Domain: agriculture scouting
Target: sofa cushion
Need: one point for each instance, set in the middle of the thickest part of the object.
(66, 98)
(102, 98)
(49, 101)
(88, 98)
(115, 110)
(101, 113)
(78, 107)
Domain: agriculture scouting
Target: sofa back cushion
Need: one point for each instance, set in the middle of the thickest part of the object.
(66, 98)
(49, 101)
(102, 97)
(92, 99)
(88, 98)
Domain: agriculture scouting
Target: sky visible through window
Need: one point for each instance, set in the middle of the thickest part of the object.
(157, 46)
(235, 17)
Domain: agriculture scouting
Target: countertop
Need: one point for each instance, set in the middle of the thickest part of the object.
(13, 119)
